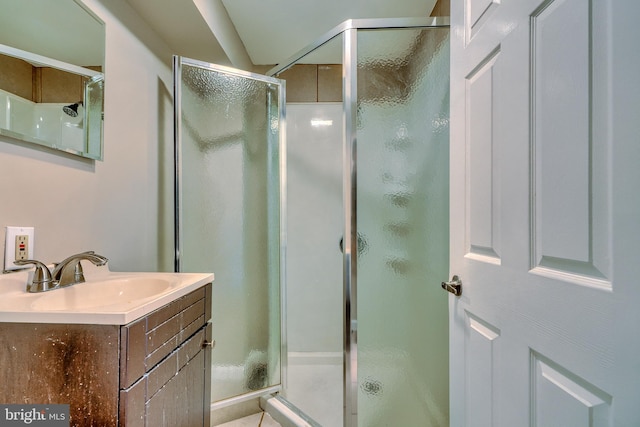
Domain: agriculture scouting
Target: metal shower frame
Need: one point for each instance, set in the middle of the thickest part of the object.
(349, 29)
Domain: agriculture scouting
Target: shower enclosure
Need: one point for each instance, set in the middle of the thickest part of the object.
(328, 250)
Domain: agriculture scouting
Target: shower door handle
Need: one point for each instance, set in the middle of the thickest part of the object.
(454, 286)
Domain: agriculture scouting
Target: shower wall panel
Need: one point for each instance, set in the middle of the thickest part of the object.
(402, 224)
(314, 260)
(314, 227)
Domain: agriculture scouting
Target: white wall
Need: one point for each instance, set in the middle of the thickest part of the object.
(120, 207)
(314, 228)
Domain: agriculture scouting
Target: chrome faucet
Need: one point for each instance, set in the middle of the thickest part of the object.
(66, 273)
(69, 272)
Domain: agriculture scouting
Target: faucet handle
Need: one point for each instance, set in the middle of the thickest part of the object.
(42, 279)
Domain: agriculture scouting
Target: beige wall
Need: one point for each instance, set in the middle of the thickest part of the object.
(313, 83)
(53, 85)
(120, 207)
(40, 84)
(16, 76)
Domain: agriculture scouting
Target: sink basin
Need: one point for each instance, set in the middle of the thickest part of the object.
(100, 294)
(106, 298)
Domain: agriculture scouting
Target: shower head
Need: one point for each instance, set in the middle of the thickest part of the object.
(72, 110)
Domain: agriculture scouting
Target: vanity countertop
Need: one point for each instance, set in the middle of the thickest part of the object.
(106, 298)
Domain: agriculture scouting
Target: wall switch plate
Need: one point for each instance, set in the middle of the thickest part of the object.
(19, 244)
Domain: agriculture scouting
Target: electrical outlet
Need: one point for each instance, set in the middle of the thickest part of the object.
(22, 246)
(19, 244)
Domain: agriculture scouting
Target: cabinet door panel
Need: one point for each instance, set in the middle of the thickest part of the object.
(180, 401)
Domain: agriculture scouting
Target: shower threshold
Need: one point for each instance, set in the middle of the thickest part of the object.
(285, 413)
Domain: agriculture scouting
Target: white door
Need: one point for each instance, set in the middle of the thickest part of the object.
(545, 213)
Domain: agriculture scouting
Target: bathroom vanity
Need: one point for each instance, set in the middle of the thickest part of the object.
(135, 362)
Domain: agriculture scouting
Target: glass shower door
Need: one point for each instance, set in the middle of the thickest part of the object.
(393, 194)
(402, 210)
(228, 133)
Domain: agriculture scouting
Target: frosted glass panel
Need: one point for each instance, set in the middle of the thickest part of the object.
(314, 260)
(402, 222)
(229, 218)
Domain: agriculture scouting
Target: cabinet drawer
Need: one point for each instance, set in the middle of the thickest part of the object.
(146, 342)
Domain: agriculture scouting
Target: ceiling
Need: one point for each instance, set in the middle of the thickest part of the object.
(244, 33)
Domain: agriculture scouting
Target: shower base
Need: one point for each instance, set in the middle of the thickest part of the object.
(314, 385)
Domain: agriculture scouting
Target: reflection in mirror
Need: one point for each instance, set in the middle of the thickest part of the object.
(51, 79)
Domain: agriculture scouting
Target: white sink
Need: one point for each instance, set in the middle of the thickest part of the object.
(103, 293)
(105, 298)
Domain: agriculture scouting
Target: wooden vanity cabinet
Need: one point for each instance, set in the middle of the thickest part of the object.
(155, 371)
(165, 365)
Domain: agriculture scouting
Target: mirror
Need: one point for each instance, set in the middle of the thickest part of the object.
(51, 75)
